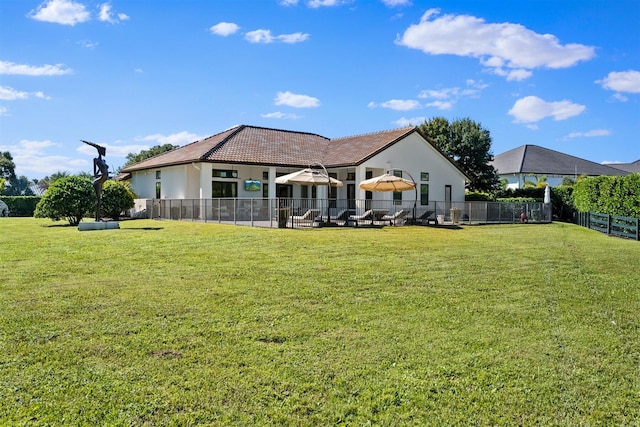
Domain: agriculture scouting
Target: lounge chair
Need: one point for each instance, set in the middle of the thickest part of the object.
(342, 216)
(305, 219)
(427, 217)
(366, 216)
(398, 218)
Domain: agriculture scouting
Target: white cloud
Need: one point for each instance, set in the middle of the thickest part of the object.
(87, 43)
(65, 12)
(446, 98)
(105, 14)
(397, 104)
(280, 115)
(440, 105)
(28, 70)
(532, 109)
(265, 36)
(138, 70)
(224, 29)
(296, 101)
(509, 50)
(622, 81)
(32, 158)
(589, 134)
(314, 4)
(414, 121)
(396, 3)
(288, 2)
(10, 94)
(3, 111)
(180, 138)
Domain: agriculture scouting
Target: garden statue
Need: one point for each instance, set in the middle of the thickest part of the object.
(100, 174)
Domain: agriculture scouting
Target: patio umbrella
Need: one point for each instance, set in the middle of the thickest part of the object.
(310, 177)
(390, 182)
(547, 194)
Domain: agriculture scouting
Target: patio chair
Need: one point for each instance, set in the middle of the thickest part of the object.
(305, 219)
(398, 218)
(366, 216)
(427, 217)
(342, 216)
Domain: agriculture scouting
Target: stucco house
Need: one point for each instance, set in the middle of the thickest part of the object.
(244, 161)
(529, 162)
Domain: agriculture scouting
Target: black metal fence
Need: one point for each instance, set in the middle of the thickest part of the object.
(285, 212)
(619, 226)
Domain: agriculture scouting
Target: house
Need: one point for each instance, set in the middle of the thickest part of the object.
(243, 162)
(627, 167)
(531, 162)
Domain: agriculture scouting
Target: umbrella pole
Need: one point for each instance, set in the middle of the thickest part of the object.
(328, 187)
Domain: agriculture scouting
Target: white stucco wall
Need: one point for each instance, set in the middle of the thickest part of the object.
(414, 155)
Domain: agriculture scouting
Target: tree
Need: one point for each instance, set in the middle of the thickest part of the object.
(469, 145)
(71, 198)
(116, 197)
(7, 167)
(151, 152)
(18, 187)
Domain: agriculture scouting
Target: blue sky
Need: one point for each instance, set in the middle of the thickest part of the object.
(129, 75)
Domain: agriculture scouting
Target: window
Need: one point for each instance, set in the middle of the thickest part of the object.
(424, 176)
(224, 189)
(304, 192)
(424, 194)
(265, 175)
(265, 190)
(158, 190)
(351, 176)
(225, 173)
(397, 195)
(158, 174)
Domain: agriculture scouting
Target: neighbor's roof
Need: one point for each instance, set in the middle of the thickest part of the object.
(627, 167)
(263, 146)
(539, 160)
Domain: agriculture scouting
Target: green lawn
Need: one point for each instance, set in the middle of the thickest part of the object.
(176, 323)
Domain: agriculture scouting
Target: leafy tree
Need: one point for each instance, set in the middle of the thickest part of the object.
(151, 152)
(71, 198)
(18, 187)
(116, 197)
(469, 145)
(2, 180)
(7, 167)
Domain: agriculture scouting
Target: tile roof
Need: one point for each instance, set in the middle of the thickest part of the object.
(539, 160)
(628, 167)
(257, 145)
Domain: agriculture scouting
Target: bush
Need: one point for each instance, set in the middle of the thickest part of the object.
(21, 205)
(477, 196)
(612, 195)
(116, 198)
(71, 198)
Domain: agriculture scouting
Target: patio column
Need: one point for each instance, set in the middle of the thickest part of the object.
(272, 184)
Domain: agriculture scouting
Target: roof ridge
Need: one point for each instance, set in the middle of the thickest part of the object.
(232, 131)
(408, 128)
(284, 130)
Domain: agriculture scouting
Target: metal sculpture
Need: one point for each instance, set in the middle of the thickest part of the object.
(100, 175)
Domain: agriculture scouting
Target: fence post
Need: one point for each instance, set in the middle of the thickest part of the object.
(608, 224)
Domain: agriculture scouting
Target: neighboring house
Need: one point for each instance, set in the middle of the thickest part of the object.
(243, 162)
(627, 167)
(531, 162)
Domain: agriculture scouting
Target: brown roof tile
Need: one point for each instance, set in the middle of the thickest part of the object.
(257, 145)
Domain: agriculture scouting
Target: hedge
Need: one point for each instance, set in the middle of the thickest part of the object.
(21, 205)
(612, 195)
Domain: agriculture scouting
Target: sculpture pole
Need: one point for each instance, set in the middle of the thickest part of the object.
(100, 175)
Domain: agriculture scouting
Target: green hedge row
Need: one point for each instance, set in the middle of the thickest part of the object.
(612, 195)
(21, 205)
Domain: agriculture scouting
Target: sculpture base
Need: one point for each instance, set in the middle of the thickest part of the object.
(107, 225)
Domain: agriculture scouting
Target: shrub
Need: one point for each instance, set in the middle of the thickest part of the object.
(71, 198)
(477, 196)
(612, 195)
(116, 197)
(21, 205)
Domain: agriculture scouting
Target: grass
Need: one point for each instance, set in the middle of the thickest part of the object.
(176, 323)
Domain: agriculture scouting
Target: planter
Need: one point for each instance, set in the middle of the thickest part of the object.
(283, 217)
(455, 215)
